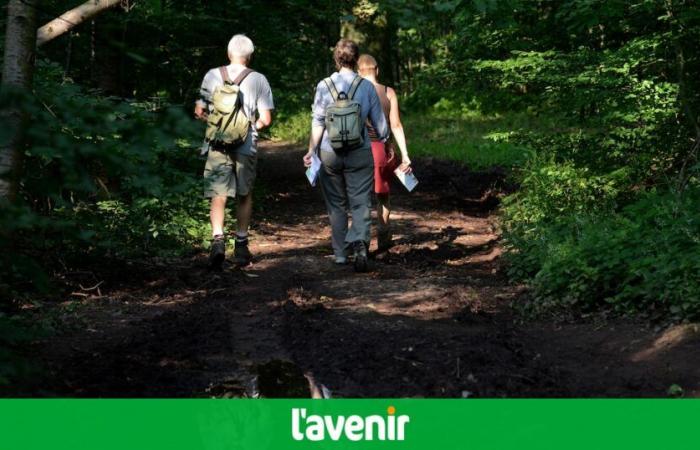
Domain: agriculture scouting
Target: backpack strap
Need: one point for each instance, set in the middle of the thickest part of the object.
(353, 87)
(224, 75)
(331, 88)
(241, 76)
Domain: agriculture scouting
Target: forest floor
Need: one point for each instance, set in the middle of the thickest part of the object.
(433, 318)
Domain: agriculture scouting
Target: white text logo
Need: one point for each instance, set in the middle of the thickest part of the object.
(355, 428)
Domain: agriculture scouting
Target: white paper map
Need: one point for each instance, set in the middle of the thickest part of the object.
(312, 171)
(408, 180)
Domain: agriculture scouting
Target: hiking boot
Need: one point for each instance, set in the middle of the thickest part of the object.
(360, 249)
(384, 242)
(241, 254)
(217, 254)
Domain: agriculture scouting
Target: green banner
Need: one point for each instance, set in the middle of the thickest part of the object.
(349, 424)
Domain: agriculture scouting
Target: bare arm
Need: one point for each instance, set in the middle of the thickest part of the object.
(200, 111)
(376, 116)
(265, 119)
(318, 126)
(314, 141)
(265, 105)
(201, 106)
(397, 130)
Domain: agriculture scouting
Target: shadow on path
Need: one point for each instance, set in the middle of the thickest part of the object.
(433, 318)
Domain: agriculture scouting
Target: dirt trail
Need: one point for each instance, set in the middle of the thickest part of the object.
(433, 318)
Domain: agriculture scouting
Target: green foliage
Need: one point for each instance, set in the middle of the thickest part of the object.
(13, 333)
(164, 49)
(554, 191)
(591, 103)
(462, 133)
(102, 177)
(641, 260)
(675, 391)
(552, 194)
(611, 110)
(293, 127)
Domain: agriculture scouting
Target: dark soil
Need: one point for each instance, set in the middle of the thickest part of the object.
(433, 318)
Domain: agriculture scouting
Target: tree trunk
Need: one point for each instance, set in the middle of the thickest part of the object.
(71, 19)
(17, 71)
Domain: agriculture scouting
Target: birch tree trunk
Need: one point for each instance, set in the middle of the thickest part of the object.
(21, 40)
(17, 71)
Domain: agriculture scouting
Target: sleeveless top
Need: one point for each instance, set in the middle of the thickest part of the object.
(386, 106)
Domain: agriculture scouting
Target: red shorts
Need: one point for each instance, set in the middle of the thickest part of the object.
(383, 169)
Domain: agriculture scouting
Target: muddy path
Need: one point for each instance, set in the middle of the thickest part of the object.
(433, 318)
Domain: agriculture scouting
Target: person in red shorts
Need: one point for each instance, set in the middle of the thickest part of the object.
(385, 158)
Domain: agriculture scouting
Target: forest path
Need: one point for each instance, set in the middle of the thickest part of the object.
(432, 318)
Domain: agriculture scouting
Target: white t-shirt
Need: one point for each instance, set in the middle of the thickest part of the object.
(256, 95)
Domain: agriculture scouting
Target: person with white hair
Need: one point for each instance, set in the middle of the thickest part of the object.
(230, 169)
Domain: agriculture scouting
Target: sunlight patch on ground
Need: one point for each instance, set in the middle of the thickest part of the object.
(670, 338)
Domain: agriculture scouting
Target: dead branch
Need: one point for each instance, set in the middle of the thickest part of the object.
(72, 18)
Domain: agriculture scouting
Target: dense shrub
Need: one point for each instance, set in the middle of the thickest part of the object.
(643, 259)
(292, 127)
(101, 177)
(599, 220)
(552, 194)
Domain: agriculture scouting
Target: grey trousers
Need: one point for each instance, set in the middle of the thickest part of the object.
(347, 181)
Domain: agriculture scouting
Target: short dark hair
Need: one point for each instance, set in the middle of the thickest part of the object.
(346, 54)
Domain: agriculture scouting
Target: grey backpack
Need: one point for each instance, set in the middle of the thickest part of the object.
(343, 118)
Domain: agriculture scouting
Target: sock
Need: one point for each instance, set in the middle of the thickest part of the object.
(218, 236)
(241, 237)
